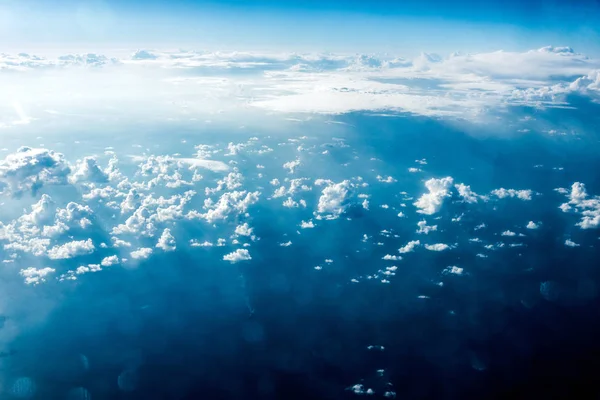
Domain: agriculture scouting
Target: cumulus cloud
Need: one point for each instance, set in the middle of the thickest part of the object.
(532, 225)
(71, 249)
(409, 247)
(34, 276)
(237, 256)
(467, 194)
(109, 261)
(520, 194)
(141, 253)
(571, 243)
(431, 202)
(424, 228)
(437, 247)
(333, 201)
(166, 242)
(87, 170)
(588, 207)
(29, 169)
(307, 224)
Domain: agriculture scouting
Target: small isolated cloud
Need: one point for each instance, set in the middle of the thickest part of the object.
(431, 202)
(333, 200)
(166, 242)
(509, 233)
(389, 257)
(571, 243)
(34, 276)
(587, 206)
(141, 253)
(452, 270)
(437, 247)
(388, 179)
(423, 228)
(109, 261)
(307, 224)
(237, 256)
(244, 230)
(292, 165)
(519, 194)
(532, 225)
(71, 249)
(409, 247)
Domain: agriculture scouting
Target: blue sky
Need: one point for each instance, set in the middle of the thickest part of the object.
(406, 27)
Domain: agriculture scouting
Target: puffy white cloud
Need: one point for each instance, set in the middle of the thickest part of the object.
(292, 165)
(467, 194)
(166, 242)
(437, 247)
(244, 230)
(389, 257)
(409, 247)
(237, 256)
(588, 207)
(532, 225)
(520, 194)
(424, 228)
(508, 233)
(87, 170)
(109, 261)
(333, 200)
(431, 202)
(71, 249)
(236, 202)
(388, 179)
(571, 243)
(307, 224)
(454, 270)
(34, 276)
(29, 169)
(141, 254)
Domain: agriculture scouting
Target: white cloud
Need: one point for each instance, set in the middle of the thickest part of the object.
(71, 249)
(431, 202)
(588, 207)
(238, 255)
(571, 243)
(141, 253)
(35, 276)
(437, 247)
(424, 228)
(333, 200)
(236, 203)
(410, 246)
(520, 194)
(87, 170)
(292, 165)
(29, 169)
(244, 230)
(508, 233)
(532, 225)
(454, 270)
(307, 224)
(467, 194)
(388, 179)
(166, 242)
(389, 257)
(109, 261)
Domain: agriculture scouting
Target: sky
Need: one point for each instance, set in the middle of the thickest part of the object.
(408, 27)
